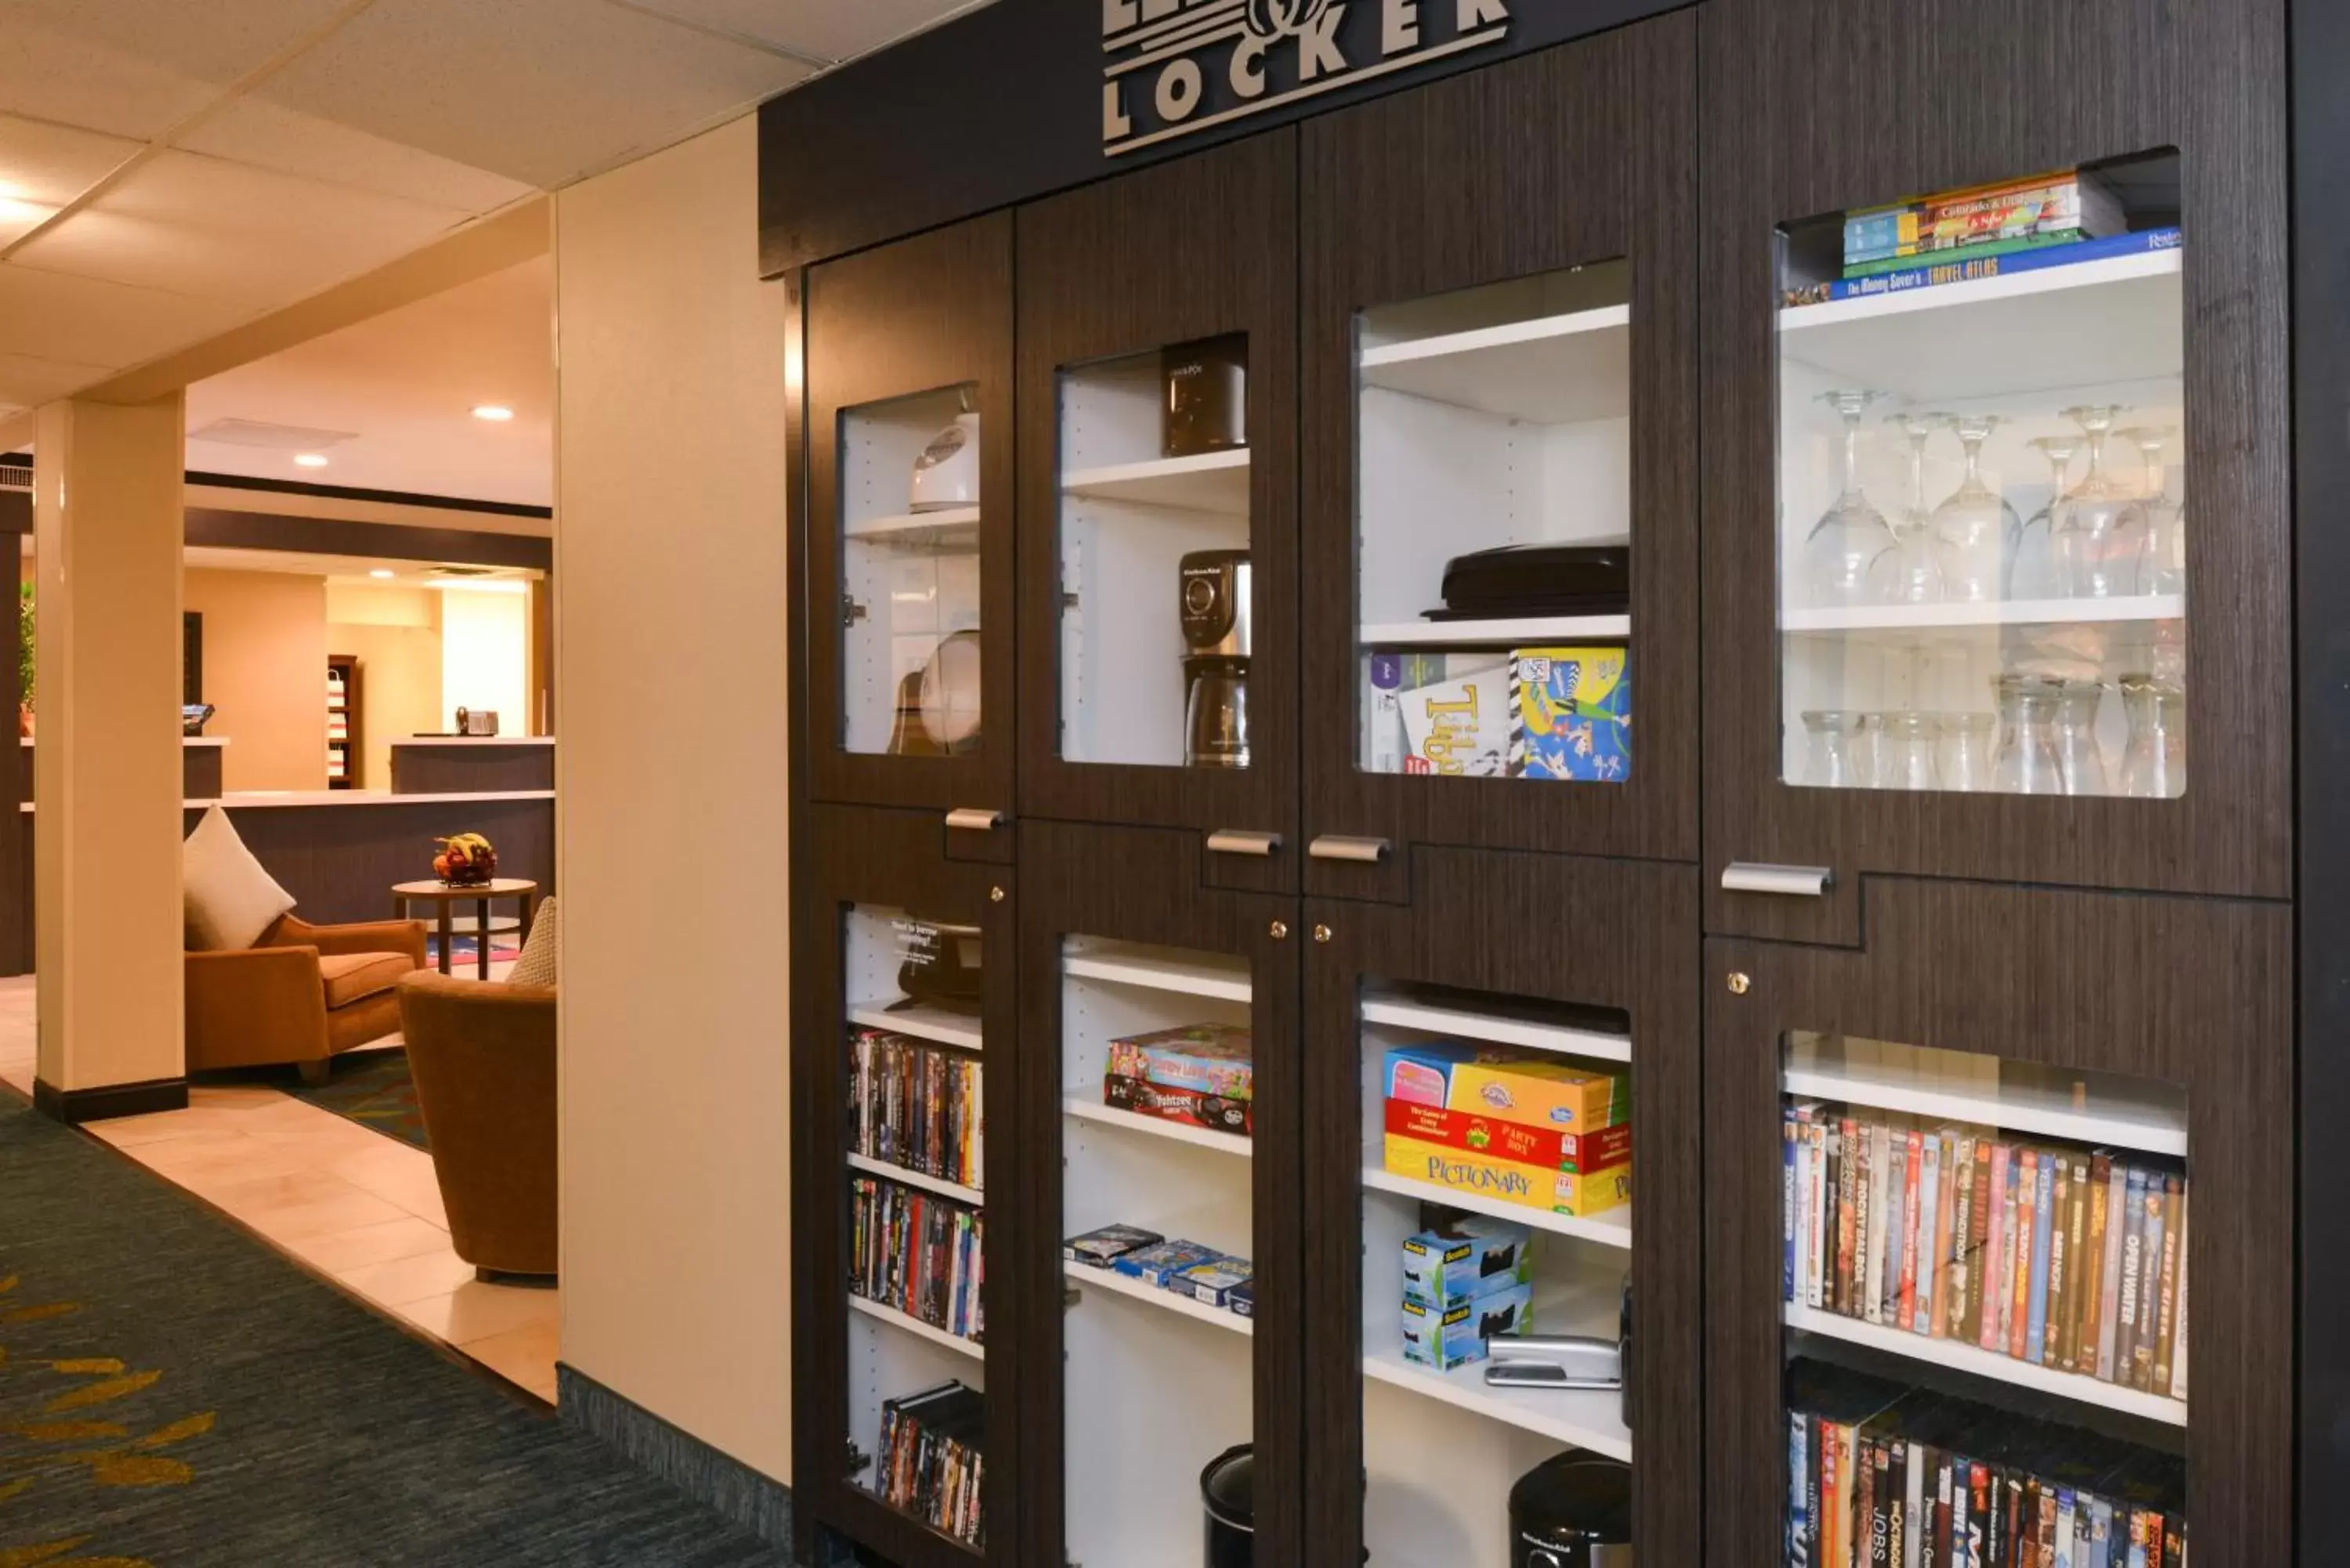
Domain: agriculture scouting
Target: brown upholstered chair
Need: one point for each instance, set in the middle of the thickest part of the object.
(482, 1055)
(301, 994)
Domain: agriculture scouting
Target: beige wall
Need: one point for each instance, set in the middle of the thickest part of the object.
(265, 672)
(676, 1184)
(395, 634)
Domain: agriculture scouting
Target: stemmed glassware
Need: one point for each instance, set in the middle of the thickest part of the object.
(2033, 575)
(1979, 529)
(1845, 544)
(2163, 568)
(1910, 571)
(2100, 528)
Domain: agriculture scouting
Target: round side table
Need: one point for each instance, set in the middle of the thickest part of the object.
(521, 889)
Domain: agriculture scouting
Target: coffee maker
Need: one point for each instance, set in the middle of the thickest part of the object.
(1214, 601)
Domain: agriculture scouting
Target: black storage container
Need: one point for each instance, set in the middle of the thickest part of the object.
(1573, 1510)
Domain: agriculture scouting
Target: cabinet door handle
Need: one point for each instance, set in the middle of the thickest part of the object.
(1793, 881)
(1338, 847)
(1239, 841)
(976, 818)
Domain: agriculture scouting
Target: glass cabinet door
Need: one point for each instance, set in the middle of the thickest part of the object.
(908, 372)
(1157, 352)
(1500, 498)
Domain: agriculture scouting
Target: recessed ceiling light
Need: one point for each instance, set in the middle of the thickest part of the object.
(496, 413)
(381, 572)
(309, 460)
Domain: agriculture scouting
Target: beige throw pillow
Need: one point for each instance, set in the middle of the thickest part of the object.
(228, 899)
(537, 965)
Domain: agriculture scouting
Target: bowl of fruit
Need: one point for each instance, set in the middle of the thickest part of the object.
(464, 861)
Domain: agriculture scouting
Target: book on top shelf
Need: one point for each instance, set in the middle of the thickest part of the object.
(1963, 266)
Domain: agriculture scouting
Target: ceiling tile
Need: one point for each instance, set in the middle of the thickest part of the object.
(44, 166)
(228, 231)
(81, 320)
(540, 93)
(136, 68)
(829, 29)
(272, 136)
(31, 382)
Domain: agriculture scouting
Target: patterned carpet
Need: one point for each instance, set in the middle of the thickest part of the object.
(372, 1088)
(173, 1393)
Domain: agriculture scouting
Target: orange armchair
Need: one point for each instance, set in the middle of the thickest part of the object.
(302, 994)
(482, 1055)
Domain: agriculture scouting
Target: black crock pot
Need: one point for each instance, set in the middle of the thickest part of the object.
(1572, 1511)
(1228, 1492)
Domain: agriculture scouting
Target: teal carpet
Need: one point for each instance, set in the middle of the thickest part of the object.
(372, 1088)
(173, 1393)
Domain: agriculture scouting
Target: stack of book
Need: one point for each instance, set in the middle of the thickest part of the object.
(917, 1254)
(930, 1463)
(2068, 1258)
(1879, 1473)
(916, 1104)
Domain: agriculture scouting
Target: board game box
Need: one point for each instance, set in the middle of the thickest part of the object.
(1500, 1180)
(1206, 1058)
(1571, 714)
(1549, 1147)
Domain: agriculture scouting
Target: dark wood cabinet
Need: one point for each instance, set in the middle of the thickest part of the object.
(1115, 280)
(1548, 956)
(894, 940)
(2173, 1014)
(1474, 236)
(910, 581)
(1132, 1391)
(1825, 106)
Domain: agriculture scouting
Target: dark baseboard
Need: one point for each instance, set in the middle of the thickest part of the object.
(757, 1502)
(74, 1107)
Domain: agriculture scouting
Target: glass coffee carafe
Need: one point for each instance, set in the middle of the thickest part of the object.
(2078, 759)
(1828, 751)
(1963, 761)
(2027, 763)
(2154, 761)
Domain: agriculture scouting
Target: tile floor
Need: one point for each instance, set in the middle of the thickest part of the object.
(356, 1206)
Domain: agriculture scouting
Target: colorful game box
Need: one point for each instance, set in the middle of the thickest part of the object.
(1460, 725)
(1422, 1075)
(1468, 1258)
(1159, 1263)
(1550, 1149)
(1241, 1298)
(1103, 1247)
(1453, 1336)
(1501, 1180)
(1189, 1107)
(1387, 676)
(1207, 1058)
(1571, 714)
(1541, 1092)
(1211, 1284)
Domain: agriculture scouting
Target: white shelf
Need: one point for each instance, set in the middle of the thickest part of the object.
(1228, 983)
(938, 1184)
(1075, 1104)
(1398, 1014)
(1982, 1363)
(918, 1328)
(922, 1022)
(2026, 331)
(2004, 612)
(1086, 1277)
(956, 525)
(1613, 1228)
(1531, 631)
(1210, 482)
(1586, 1419)
(2094, 1108)
(1553, 370)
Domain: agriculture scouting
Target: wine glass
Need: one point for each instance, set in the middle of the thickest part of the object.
(1851, 534)
(1979, 529)
(2100, 528)
(1910, 571)
(2033, 573)
(2163, 564)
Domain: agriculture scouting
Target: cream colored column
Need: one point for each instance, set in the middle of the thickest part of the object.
(107, 526)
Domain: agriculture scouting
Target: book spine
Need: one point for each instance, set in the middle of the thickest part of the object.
(2001, 1285)
(1914, 1211)
(2133, 1264)
(1929, 1504)
(2178, 1344)
(1982, 1235)
(2109, 1287)
(2165, 1310)
(1877, 1500)
(1979, 1517)
(1886, 1161)
(1934, 1236)
(1848, 1228)
(2149, 1285)
(2065, 1507)
(2093, 1267)
(2044, 1199)
(1821, 1187)
(1957, 268)
(1868, 1261)
(1790, 1220)
(1798, 1489)
(1958, 1251)
(2019, 1312)
(2059, 1255)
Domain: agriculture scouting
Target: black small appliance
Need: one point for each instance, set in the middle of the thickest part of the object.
(1213, 589)
(1203, 405)
(1228, 1493)
(1537, 579)
(1572, 1511)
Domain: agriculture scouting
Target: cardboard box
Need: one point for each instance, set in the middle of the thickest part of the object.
(1571, 714)
(1211, 1284)
(1540, 1092)
(1448, 1337)
(1159, 1263)
(1548, 1148)
(1189, 1107)
(1503, 1181)
(1103, 1247)
(1241, 1299)
(1471, 1257)
(1207, 1058)
(1460, 726)
(1422, 1075)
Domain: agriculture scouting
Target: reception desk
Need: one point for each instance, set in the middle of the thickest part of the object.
(200, 765)
(433, 765)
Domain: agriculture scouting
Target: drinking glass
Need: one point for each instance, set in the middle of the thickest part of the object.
(2033, 573)
(2026, 761)
(2154, 761)
(2163, 567)
(1910, 571)
(2082, 765)
(1867, 751)
(1827, 753)
(1979, 529)
(1851, 534)
(1906, 752)
(1964, 761)
(2100, 528)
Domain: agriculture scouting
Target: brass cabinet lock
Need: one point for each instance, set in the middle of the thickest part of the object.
(995, 895)
(1739, 982)
(1279, 930)
(1321, 933)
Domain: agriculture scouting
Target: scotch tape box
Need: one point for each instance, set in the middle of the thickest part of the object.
(1471, 1257)
(1447, 1338)
(1500, 1180)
